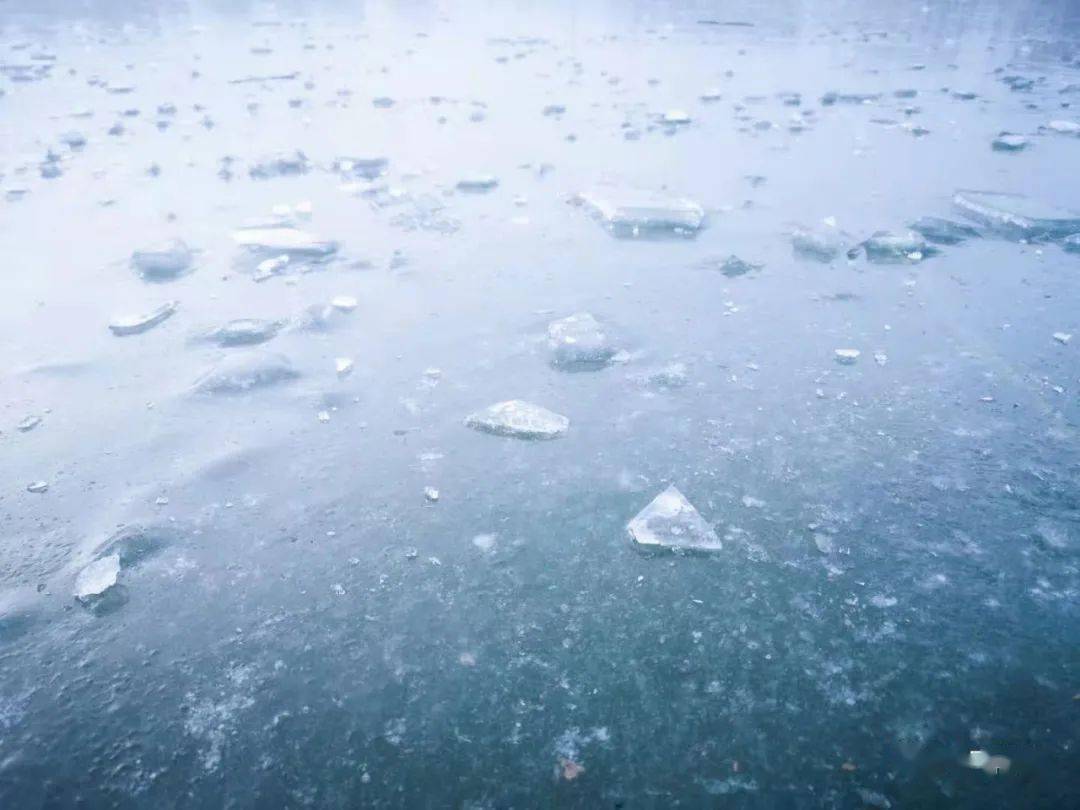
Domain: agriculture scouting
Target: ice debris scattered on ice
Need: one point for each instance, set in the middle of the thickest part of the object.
(579, 343)
(670, 521)
(136, 324)
(520, 420)
(645, 215)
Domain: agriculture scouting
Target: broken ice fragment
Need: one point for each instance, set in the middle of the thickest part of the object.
(343, 366)
(97, 578)
(1064, 127)
(1015, 216)
(137, 324)
(37, 487)
(362, 168)
(431, 494)
(645, 215)
(943, 231)
(888, 247)
(579, 343)
(244, 332)
(518, 419)
(1009, 142)
(285, 240)
(345, 303)
(847, 357)
(163, 262)
(1062, 337)
(239, 373)
(670, 521)
(29, 423)
(822, 244)
(478, 183)
(675, 117)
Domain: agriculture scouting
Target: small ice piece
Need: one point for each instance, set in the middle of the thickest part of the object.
(284, 239)
(886, 247)
(1009, 142)
(137, 324)
(821, 244)
(943, 231)
(712, 94)
(346, 303)
(673, 375)
(982, 761)
(37, 487)
(1015, 216)
(268, 268)
(431, 494)
(1062, 127)
(29, 423)
(280, 165)
(484, 542)
(362, 168)
(163, 262)
(244, 332)
(1062, 337)
(675, 117)
(96, 578)
(477, 183)
(553, 110)
(846, 357)
(579, 343)
(645, 215)
(671, 521)
(343, 366)
(1071, 243)
(518, 419)
(242, 372)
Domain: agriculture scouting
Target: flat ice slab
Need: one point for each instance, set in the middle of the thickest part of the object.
(645, 215)
(671, 521)
(520, 420)
(1016, 216)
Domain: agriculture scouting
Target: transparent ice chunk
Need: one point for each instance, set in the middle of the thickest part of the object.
(671, 521)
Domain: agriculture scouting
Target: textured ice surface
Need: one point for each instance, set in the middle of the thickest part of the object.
(244, 371)
(670, 521)
(519, 419)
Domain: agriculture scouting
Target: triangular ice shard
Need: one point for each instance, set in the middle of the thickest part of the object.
(671, 521)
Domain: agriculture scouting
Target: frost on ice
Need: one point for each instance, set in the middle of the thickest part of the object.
(520, 420)
(671, 521)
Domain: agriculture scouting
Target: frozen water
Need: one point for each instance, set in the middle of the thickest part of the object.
(579, 343)
(520, 420)
(822, 244)
(283, 240)
(332, 593)
(943, 231)
(244, 332)
(136, 324)
(1015, 216)
(241, 372)
(163, 262)
(886, 247)
(671, 522)
(96, 578)
(645, 215)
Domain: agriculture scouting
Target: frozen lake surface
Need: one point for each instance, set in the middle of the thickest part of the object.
(467, 405)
